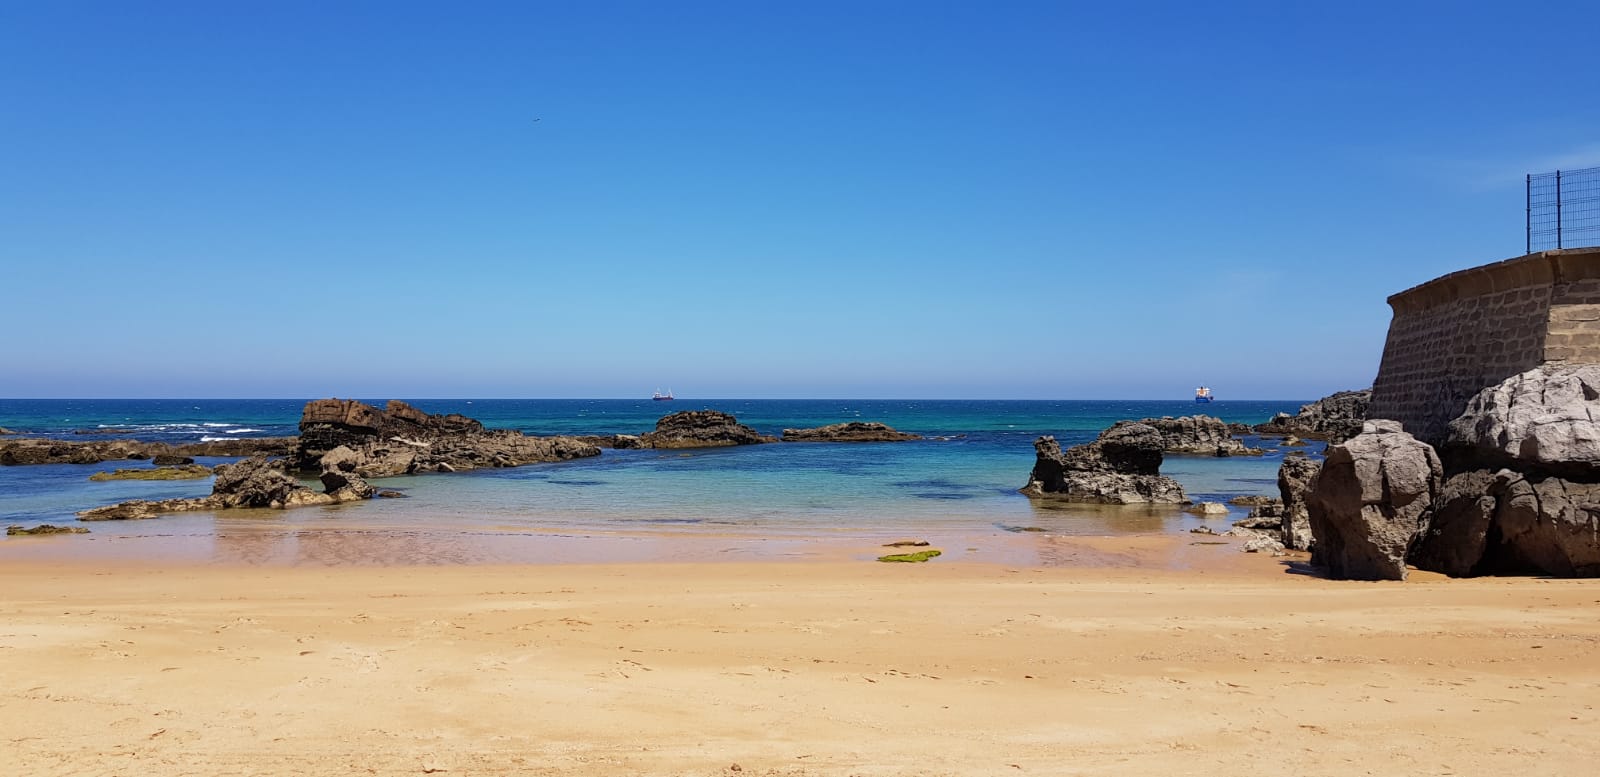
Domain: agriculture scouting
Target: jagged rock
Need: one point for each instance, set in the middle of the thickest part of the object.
(1263, 518)
(1122, 466)
(1373, 494)
(1292, 442)
(701, 429)
(1334, 418)
(1295, 477)
(1508, 523)
(1202, 530)
(402, 440)
(1543, 420)
(253, 482)
(853, 431)
(1200, 435)
(1207, 508)
(169, 460)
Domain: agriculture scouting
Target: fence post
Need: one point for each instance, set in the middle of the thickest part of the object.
(1558, 209)
(1527, 219)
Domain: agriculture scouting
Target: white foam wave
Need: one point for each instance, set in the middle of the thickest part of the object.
(208, 423)
(242, 431)
(209, 438)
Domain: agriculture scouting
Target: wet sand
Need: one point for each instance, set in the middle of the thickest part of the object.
(1149, 656)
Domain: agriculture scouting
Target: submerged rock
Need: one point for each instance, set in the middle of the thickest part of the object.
(186, 472)
(701, 429)
(853, 431)
(44, 528)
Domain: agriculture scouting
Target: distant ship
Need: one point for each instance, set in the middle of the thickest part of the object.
(660, 397)
(1202, 395)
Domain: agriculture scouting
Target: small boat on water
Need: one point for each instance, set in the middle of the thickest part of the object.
(1202, 395)
(660, 397)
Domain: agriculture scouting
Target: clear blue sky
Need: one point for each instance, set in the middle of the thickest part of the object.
(863, 199)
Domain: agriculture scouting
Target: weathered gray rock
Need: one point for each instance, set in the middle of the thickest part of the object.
(1374, 493)
(1334, 418)
(1295, 477)
(1207, 508)
(1545, 420)
(853, 431)
(1263, 544)
(1122, 466)
(1505, 523)
(701, 429)
(1199, 435)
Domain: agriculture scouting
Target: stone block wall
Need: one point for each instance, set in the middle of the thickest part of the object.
(1456, 335)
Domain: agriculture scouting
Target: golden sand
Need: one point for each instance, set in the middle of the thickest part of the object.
(1238, 666)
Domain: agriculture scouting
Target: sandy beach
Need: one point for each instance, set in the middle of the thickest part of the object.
(1239, 666)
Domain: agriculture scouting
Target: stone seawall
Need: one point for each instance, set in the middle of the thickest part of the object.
(1462, 332)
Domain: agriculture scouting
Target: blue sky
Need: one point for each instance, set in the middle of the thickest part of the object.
(880, 199)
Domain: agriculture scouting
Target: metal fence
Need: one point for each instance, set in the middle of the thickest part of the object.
(1564, 209)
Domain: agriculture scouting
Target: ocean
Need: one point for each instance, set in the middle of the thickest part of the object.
(963, 478)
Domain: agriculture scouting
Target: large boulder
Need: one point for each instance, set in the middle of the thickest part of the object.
(701, 429)
(1506, 523)
(1295, 477)
(1122, 466)
(1373, 494)
(852, 431)
(1200, 435)
(1334, 418)
(1545, 420)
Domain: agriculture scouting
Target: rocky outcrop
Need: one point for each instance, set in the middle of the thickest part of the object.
(402, 440)
(47, 451)
(853, 431)
(1523, 496)
(43, 529)
(185, 472)
(1295, 477)
(1546, 421)
(1122, 466)
(701, 429)
(613, 441)
(1333, 418)
(253, 482)
(1373, 494)
(4, 431)
(1200, 435)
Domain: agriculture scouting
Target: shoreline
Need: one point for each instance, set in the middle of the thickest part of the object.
(818, 668)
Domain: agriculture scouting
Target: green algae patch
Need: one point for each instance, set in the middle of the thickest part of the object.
(45, 528)
(186, 472)
(906, 558)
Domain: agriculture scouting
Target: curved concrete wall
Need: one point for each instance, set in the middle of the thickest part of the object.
(1460, 333)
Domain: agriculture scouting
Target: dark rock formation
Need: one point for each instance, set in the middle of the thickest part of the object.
(1334, 418)
(1295, 477)
(1122, 466)
(701, 429)
(1264, 518)
(853, 431)
(1199, 435)
(169, 460)
(615, 441)
(402, 440)
(46, 451)
(1373, 494)
(253, 482)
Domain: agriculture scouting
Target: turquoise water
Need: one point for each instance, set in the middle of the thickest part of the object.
(963, 478)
